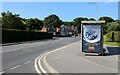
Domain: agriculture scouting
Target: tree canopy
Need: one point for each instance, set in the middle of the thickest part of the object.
(12, 21)
(34, 24)
(92, 19)
(107, 19)
(77, 22)
(52, 20)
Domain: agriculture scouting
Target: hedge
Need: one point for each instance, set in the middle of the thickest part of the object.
(116, 36)
(18, 36)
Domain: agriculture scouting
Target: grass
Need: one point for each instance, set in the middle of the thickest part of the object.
(110, 42)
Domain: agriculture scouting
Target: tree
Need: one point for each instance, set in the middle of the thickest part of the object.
(52, 20)
(92, 19)
(68, 23)
(34, 24)
(107, 19)
(0, 22)
(114, 26)
(77, 22)
(12, 21)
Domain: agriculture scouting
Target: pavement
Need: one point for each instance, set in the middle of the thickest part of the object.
(19, 58)
(71, 59)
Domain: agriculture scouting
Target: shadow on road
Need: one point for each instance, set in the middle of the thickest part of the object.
(113, 51)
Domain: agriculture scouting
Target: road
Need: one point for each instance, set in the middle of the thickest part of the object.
(19, 58)
(71, 59)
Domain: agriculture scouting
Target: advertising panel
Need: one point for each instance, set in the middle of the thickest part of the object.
(92, 37)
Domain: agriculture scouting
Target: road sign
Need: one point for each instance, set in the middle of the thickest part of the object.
(92, 36)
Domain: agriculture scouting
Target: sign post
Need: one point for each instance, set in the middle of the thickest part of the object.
(92, 36)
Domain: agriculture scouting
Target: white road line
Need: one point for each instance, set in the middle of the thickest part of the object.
(27, 44)
(61, 48)
(40, 65)
(27, 62)
(36, 66)
(117, 57)
(51, 69)
(15, 67)
(114, 55)
(2, 72)
(40, 57)
(81, 57)
(11, 50)
(98, 64)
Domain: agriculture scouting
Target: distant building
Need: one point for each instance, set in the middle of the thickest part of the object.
(44, 29)
(63, 30)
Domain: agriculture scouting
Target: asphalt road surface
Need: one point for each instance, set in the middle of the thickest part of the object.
(71, 59)
(19, 58)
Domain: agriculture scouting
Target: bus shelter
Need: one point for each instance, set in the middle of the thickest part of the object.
(92, 36)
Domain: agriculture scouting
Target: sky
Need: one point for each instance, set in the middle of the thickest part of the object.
(67, 11)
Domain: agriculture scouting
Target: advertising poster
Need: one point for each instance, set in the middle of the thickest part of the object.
(91, 37)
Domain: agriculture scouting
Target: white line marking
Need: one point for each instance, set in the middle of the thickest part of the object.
(114, 55)
(61, 48)
(51, 69)
(117, 57)
(27, 62)
(15, 67)
(36, 66)
(2, 72)
(40, 65)
(98, 64)
(11, 50)
(81, 57)
(46, 53)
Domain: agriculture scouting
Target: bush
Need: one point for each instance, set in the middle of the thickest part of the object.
(17, 36)
(116, 36)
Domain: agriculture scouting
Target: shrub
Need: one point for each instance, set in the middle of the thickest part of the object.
(116, 36)
(17, 36)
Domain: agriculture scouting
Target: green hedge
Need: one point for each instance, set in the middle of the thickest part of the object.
(17, 36)
(116, 36)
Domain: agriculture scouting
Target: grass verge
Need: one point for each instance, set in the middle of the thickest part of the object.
(110, 42)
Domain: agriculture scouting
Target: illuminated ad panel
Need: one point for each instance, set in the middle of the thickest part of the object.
(92, 37)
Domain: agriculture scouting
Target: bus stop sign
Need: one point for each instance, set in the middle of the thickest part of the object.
(92, 36)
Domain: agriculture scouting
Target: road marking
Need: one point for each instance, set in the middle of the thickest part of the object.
(117, 58)
(61, 48)
(114, 55)
(61, 38)
(11, 50)
(2, 72)
(81, 57)
(51, 69)
(28, 44)
(46, 53)
(36, 66)
(27, 62)
(15, 67)
(40, 65)
(98, 64)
